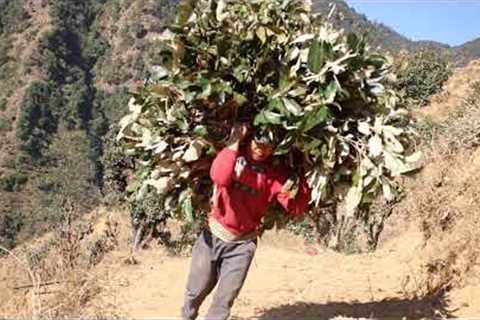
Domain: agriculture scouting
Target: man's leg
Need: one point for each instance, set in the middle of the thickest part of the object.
(202, 277)
(235, 262)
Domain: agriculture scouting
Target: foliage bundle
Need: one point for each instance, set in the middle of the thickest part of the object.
(287, 72)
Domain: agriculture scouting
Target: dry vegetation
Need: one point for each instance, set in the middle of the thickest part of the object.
(444, 199)
(53, 277)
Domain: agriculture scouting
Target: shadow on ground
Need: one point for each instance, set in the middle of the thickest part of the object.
(430, 308)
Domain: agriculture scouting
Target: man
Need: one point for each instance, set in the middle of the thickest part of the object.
(245, 183)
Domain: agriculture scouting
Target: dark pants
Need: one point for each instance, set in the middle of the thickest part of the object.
(215, 262)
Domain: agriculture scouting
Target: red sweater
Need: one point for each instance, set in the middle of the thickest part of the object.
(244, 189)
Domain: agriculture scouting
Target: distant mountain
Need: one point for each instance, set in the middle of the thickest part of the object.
(345, 17)
(468, 51)
(382, 36)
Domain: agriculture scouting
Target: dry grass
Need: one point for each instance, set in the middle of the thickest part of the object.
(54, 277)
(444, 199)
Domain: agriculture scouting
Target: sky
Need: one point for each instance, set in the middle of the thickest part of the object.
(453, 22)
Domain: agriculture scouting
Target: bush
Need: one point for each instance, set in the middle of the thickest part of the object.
(462, 128)
(138, 30)
(76, 14)
(13, 182)
(36, 123)
(13, 17)
(4, 125)
(3, 103)
(10, 225)
(421, 75)
(4, 48)
(58, 53)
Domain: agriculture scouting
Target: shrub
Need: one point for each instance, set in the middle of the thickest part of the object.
(421, 75)
(4, 125)
(3, 103)
(138, 30)
(462, 128)
(13, 182)
(4, 48)
(36, 122)
(10, 225)
(13, 17)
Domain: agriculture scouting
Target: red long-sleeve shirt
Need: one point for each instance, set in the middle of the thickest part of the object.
(245, 188)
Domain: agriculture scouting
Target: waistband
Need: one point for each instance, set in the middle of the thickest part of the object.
(219, 231)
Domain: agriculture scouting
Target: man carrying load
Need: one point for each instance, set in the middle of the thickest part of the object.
(245, 183)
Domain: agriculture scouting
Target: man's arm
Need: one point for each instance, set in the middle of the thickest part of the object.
(222, 169)
(295, 205)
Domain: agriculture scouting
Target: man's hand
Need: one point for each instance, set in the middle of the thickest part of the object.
(291, 186)
(238, 133)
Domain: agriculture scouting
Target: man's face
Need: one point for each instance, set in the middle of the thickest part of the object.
(260, 151)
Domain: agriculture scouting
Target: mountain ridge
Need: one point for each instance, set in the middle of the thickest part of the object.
(385, 37)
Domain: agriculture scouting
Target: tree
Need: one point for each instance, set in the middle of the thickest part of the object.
(36, 123)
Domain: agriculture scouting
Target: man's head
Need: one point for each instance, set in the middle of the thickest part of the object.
(261, 146)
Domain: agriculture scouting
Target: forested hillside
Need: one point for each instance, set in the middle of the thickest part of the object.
(65, 70)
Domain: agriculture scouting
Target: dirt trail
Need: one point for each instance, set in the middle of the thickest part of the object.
(287, 280)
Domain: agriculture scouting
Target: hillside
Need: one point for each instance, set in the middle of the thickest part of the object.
(379, 35)
(65, 70)
(425, 267)
(468, 51)
(385, 38)
(65, 76)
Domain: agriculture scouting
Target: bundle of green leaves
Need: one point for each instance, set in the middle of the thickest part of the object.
(286, 71)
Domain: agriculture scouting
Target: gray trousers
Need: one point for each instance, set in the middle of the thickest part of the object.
(215, 262)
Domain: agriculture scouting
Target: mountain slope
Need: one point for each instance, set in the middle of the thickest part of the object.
(379, 35)
(382, 36)
(468, 51)
(65, 71)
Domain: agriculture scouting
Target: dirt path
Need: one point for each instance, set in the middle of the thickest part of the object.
(286, 281)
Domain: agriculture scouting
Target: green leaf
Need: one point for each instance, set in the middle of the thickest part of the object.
(376, 60)
(239, 98)
(267, 117)
(313, 145)
(284, 81)
(292, 106)
(261, 34)
(201, 131)
(184, 12)
(331, 92)
(277, 104)
(353, 200)
(375, 146)
(194, 151)
(187, 208)
(352, 41)
(220, 14)
(315, 118)
(318, 54)
(162, 184)
(387, 190)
